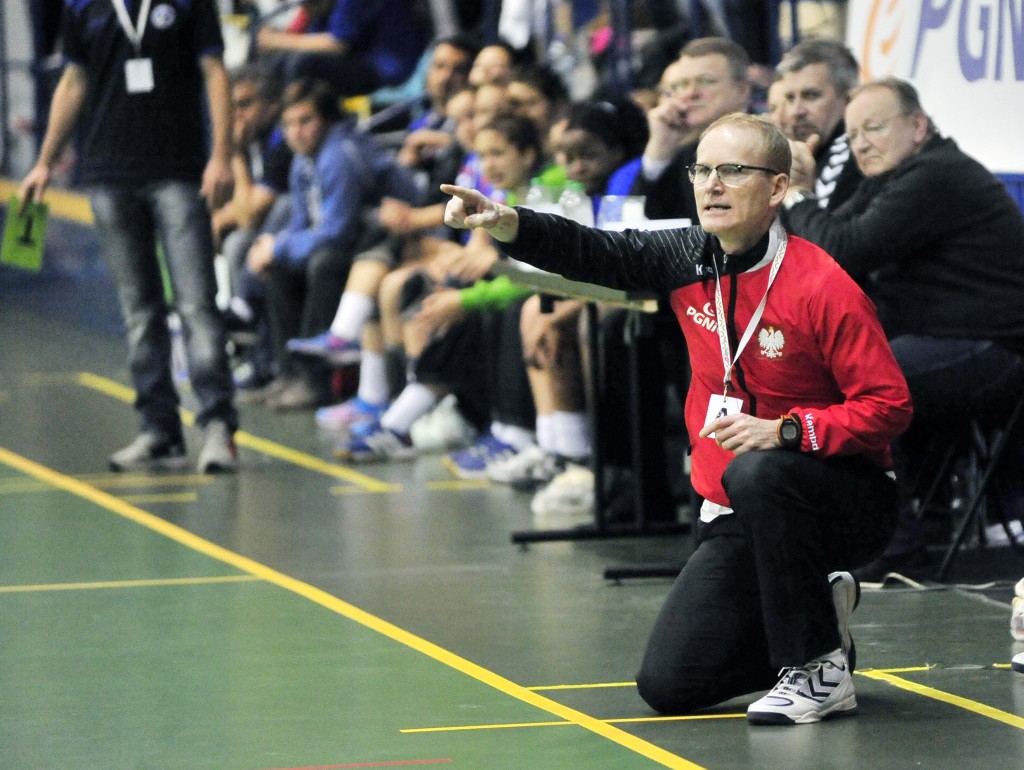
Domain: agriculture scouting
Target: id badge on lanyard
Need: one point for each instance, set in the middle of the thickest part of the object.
(724, 405)
(138, 72)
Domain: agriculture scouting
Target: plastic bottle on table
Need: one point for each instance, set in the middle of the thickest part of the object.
(541, 198)
(576, 204)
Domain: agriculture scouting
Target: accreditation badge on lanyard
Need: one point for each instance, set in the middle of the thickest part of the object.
(138, 72)
(723, 405)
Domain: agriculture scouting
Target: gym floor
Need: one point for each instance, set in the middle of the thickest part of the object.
(307, 614)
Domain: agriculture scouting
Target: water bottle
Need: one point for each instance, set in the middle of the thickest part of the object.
(576, 204)
(541, 198)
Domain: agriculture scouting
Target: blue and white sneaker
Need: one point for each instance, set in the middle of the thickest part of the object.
(817, 690)
(343, 416)
(371, 442)
(329, 347)
(472, 463)
(1017, 664)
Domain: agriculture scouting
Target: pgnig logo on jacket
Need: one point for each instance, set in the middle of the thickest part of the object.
(772, 341)
(162, 16)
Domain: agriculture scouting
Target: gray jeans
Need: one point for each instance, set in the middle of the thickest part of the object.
(130, 220)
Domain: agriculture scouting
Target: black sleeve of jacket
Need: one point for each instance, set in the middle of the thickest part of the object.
(633, 260)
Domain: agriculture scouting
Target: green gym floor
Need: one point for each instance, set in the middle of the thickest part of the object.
(307, 614)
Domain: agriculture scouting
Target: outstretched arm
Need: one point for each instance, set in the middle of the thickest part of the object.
(469, 209)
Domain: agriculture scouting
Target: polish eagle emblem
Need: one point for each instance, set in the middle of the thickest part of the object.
(771, 341)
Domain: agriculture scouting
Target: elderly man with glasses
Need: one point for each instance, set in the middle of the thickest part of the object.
(937, 241)
(794, 401)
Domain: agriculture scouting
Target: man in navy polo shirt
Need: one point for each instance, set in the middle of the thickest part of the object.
(134, 82)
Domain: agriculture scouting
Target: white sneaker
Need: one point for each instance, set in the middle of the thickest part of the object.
(150, 451)
(568, 500)
(1017, 612)
(1018, 662)
(443, 428)
(517, 468)
(805, 694)
(219, 453)
(845, 597)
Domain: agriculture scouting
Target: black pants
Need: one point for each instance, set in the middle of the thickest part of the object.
(302, 301)
(754, 597)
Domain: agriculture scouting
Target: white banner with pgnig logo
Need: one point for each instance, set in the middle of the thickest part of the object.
(965, 57)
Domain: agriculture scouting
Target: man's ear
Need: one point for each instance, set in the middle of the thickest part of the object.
(780, 186)
(920, 127)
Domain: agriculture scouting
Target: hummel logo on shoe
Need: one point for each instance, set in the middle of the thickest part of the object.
(820, 689)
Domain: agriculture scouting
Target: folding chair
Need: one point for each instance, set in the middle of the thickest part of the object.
(982, 449)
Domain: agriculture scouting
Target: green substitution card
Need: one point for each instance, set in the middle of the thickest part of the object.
(24, 234)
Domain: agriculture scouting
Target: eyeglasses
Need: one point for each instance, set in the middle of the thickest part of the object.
(873, 129)
(729, 174)
(701, 81)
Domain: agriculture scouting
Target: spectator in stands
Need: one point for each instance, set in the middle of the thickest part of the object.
(710, 80)
(410, 233)
(946, 270)
(449, 351)
(815, 78)
(430, 138)
(145, 164)
(787, 499)
(336, 174)
(355, 45)
(774, 102)
(431, 133)
(537, 93)
(599, 138)
(260, 163)
(493, 65)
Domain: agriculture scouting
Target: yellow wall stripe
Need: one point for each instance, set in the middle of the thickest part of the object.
(324, 599)
(63, 203)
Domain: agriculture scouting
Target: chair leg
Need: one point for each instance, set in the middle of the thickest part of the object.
(991, 464)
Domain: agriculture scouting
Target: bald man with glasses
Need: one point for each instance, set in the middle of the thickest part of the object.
(794, 401)
(937, 241)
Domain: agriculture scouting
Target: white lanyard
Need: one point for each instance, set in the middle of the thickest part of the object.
(728, 359)
(133, 31)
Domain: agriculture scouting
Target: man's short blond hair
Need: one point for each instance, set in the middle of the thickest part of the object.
(777, 154)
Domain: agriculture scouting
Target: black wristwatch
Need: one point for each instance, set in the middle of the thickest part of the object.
(789, 432)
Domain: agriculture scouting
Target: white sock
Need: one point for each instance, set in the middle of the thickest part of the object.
(513, 435)
(414, 401)
(354, 311)
(242, 309)
(546, 433)
(572, 434)
(373, 380)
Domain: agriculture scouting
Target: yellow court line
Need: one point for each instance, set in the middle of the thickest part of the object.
(108, 481)
(457, 484)
(594, 686)
(954, 700)
(264, 446)
(147, 583)
(170, 497)
(619, 721)
(350, 611)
